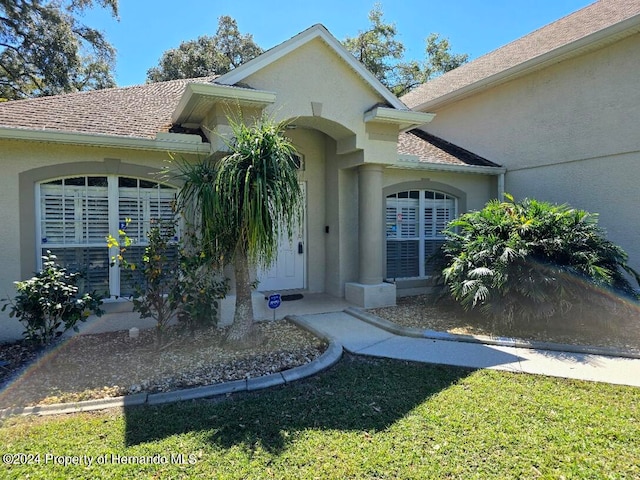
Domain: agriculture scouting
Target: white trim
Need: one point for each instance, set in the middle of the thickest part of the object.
(405, 119)
(241, 94)
(317, 31)
(114, 224)
(99, 140)
(195, 94)
(412, 162)
(421, 204)
(38, 214)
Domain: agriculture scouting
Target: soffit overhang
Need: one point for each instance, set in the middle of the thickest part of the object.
(199, 98)
(404, 119)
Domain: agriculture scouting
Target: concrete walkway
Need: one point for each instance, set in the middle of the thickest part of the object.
(360, 337)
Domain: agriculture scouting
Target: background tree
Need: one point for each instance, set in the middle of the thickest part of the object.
(438, 60)
(46, 50)
(207, 55)
(378, 49)
(245, 201)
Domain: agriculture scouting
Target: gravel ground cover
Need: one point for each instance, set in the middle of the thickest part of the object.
(112, 364)
(621, 330)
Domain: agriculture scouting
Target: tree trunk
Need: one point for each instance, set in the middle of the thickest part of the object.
(241, 333)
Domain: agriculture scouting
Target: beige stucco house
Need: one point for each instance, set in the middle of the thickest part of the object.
(553, 115)
(75, 166)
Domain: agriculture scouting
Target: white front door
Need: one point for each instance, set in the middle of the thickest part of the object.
(287, 272)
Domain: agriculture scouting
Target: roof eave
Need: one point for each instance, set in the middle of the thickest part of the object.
(198, 98)
(100, 140)
(404, 119)
(411, 162)
(582, 45)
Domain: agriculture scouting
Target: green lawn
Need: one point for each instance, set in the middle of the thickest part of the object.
(364, 418)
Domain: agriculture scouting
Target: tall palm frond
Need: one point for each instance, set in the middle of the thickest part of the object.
(243, 203)
(258, 195)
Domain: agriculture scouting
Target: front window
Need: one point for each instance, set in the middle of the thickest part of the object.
(77, 214)
(415, 220)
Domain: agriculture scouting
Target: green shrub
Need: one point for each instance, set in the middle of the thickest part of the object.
(201, 286)
(157, 277)
(50, 303)
(172, 280)
(532, 260)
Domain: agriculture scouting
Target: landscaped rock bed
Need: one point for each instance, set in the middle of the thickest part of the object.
(601, 329)
(112, 364)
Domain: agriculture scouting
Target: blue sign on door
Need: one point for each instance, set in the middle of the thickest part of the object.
(274, 301)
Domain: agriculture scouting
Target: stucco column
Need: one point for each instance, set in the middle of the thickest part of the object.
(371, 228)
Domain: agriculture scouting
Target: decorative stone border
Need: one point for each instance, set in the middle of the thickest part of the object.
(331, 355)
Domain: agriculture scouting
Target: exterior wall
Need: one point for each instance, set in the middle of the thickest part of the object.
(342, 222)
(567, 133)
(316, 88)
(23, 164)
(478, 189)
(605, 185)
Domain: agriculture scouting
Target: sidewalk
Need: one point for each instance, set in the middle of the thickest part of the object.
(360, 337)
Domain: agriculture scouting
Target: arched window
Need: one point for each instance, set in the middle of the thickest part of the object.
(77, 214)
(414, 223)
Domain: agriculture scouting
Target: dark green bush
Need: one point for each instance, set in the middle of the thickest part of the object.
(50, 303)
(532, 260)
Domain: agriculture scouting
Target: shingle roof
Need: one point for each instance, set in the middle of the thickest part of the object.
(144, 110)
(431, 149)
(140, 111)
(561, 33)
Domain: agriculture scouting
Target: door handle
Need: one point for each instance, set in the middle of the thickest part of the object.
(300, 248)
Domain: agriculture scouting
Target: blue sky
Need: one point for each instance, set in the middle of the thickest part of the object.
(147, 28)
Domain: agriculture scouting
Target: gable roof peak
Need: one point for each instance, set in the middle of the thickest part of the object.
(317, 30)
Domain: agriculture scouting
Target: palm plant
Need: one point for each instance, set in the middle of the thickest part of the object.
(244, 202)
(532, 260)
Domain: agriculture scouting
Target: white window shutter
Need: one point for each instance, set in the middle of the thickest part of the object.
(415, 233)
(77, 214)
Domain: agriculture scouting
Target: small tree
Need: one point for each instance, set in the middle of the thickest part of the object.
(171, 279)
(532, 260)
(51, 303)
(244, 202)
(156, 293)
(201, 284)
